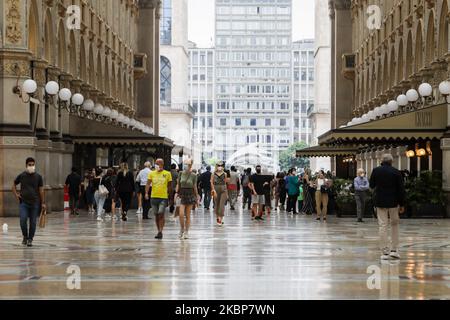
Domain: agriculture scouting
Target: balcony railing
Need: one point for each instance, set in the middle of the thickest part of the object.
(179, 107)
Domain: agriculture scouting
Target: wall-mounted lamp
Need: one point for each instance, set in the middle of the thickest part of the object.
(410, 153)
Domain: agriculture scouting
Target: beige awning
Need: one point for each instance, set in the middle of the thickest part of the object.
(423, 124)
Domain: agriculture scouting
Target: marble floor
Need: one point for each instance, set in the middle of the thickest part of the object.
(284, 257)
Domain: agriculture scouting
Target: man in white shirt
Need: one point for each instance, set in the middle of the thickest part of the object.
(141, 178)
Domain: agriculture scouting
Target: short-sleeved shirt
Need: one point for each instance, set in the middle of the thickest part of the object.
(258, 181)
(73, 180)
(160, 181)
(29, 187)
(187, 180)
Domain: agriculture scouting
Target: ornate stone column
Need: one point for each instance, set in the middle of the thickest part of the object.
(156, 70)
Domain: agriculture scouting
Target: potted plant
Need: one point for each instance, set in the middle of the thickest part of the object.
(345, 198)
(424, 195)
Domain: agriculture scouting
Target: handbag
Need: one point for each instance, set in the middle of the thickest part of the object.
(102, 190)
(323, 189)
(43, 218)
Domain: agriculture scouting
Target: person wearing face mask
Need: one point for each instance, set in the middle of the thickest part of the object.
(219, 191)
(160, 182)
(187, 191)
(361, 184)
(31, 199)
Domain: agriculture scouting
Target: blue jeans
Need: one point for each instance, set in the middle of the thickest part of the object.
(206, 197)
(100, 200)
(26, 212)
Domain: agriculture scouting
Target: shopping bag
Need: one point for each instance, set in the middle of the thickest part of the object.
(43, 218)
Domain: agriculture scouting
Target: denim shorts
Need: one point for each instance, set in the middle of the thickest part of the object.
(159, 205)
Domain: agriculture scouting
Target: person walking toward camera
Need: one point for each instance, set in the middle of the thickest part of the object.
(361, 184)
(160, 182)
(187, 191)
(73, 184)
(387, 183)
(219, 191)
(321, 186)
(31, 199)
(142, 178)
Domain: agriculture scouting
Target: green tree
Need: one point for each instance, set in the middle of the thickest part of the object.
(289, 160)
(212, 161)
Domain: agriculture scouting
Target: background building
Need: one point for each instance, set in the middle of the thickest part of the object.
(320, 113)
(175, 112)
(253, 79)
(302, 89)
(202, 98)
(102, 60)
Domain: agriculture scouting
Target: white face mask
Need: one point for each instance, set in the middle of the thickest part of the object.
(220, 169)
(157, 167)
(31, 169)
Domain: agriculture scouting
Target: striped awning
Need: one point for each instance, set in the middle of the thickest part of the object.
(324, 151)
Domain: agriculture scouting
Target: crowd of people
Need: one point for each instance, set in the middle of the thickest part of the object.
(109, 194)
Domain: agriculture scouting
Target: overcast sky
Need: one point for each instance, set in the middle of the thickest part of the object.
(201, 21)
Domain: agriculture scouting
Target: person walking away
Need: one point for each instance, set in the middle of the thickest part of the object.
(233, 187)
(292, 190)
(73, 184)
(99, 197)
(107, 181)
(174, 173)
(205, 180)
(125, 188)
(199, 188)
(247, 192)
(321, 196)
(142, 178)
(219, 191)
(308, 200)
(161, 184)
(361, 184)
(389, 188)
(31, 199)
(258, 200)
(187, 191)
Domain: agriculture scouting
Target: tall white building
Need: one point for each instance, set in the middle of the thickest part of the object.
(202, 98)
(175, 112)
(253, 80)
(302, 89)
(320, 114)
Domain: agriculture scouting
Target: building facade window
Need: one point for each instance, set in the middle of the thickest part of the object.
(165, 81)
(166, 23)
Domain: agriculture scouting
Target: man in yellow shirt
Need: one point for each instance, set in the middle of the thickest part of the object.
(160, 182)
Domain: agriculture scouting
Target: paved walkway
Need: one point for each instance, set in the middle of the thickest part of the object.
(284, 257)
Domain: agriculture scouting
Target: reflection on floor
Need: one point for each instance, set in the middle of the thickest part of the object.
(284, 257)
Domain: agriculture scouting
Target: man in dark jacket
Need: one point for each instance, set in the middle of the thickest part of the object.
(389, 201)
(205, 181)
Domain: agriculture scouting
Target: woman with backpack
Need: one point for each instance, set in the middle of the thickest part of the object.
(125, 188)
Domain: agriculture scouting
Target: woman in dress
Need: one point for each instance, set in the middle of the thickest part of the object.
(219, 191)
(307, 199)
(187, 191)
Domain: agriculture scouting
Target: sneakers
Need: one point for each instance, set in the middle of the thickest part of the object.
(24, 241)
(318, 219)
(259, 218)
(29, 243)
(124, 217)
(186, 235)
(139, 211)
(159, 235)
(181, 235)
(394, 254)
(99, 219)
(108, 216)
